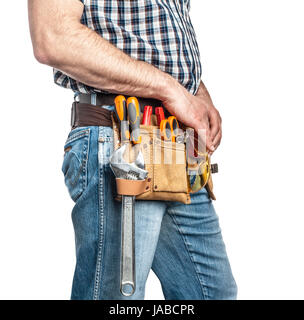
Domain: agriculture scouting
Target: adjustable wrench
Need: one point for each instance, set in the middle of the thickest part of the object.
(133, 171)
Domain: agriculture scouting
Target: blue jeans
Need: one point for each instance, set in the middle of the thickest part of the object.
(181, 243)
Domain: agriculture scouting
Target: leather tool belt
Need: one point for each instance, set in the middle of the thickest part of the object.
(167, 181)
(87, 111)
(108, 100)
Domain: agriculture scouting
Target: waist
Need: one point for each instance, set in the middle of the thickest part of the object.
(96, 109)
(107, 100)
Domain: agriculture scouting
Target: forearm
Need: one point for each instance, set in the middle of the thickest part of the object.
(203, 93)
(85, 56)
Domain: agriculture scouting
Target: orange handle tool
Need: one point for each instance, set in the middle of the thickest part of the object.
(159, 111)
(122, 116)
(134, 119)
(165, 130)
(174, 127)
(147, 115)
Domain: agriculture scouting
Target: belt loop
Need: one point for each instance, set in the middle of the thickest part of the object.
(73, 114)
(93, 99)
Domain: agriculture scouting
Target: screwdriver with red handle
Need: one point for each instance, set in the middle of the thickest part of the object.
(147, 115)
(159, 111)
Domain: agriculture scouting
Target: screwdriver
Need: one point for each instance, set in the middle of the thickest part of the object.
(147, 115)
(159, 111)
(134, 119)
(122, 116)
(134, 122)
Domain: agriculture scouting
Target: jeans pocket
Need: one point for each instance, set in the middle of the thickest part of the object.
(75, 162)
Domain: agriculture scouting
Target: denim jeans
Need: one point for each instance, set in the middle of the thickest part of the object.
(181, 243)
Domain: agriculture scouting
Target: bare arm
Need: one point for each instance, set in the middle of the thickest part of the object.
(61, 41)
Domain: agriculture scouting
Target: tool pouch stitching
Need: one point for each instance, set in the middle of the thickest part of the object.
(161, 183)
(159, 179)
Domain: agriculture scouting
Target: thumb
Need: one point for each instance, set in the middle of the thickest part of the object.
(205, 143)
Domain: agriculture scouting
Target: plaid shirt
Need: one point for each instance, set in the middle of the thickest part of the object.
(156, 31)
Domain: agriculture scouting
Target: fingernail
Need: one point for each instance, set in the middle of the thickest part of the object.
(212, 148)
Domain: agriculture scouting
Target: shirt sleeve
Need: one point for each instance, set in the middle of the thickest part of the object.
(188, 5)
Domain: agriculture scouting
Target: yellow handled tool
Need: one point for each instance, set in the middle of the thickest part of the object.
(134, 119)
(165, 130)
(122, 116)
(174, 127)
(169, 129)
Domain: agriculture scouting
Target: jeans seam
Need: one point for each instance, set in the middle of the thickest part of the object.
(77, 135)
(100, 227)
(202, 285)
(82, 171)
(85, 164)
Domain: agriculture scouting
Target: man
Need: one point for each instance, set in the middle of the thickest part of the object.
(145, 49)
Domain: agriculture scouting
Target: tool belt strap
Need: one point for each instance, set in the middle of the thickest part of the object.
(84, 115)
(132, 187)
(99, 99)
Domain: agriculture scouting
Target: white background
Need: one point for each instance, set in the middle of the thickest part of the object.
(252, 54)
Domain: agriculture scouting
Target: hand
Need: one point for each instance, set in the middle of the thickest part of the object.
(193, 112)
(215, 122)
(214, 117)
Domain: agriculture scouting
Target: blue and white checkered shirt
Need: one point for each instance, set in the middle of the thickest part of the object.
(159, 32)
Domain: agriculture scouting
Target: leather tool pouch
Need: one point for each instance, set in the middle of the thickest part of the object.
(166, 163)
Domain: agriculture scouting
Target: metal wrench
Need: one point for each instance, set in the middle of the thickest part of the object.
(132, 171)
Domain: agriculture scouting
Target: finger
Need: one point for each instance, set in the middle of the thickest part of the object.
(217, 140)
(215, 124)
(205, 141)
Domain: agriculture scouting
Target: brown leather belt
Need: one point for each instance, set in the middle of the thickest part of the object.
(84, 115)
(89, 111)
